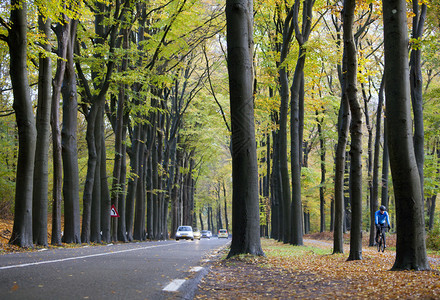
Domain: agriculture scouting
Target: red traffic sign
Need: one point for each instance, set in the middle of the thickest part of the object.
(114, 212)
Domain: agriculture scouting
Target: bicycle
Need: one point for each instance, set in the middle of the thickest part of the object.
(381, 239)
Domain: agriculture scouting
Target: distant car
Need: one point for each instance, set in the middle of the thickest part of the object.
(206, 234)
(197, 234)
(184, 232)
(223, 233)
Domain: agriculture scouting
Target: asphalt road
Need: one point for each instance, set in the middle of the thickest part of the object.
(148, 270)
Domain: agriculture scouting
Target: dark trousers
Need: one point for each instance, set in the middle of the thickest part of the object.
(378, 228)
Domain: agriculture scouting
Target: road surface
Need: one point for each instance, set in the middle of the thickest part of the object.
(147, 270)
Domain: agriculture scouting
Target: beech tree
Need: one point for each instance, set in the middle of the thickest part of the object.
(410, 247)
(342, 127)
(69, 144)
(416, 85)
(302, 34)
(350, 57)
(245, 196)
(41, 173)
(17, 42)
(62, 32)
(281, 136)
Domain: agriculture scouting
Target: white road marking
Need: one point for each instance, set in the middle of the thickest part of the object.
(174, 285)
(80, 257)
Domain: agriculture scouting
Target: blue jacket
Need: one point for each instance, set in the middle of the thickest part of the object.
(382, 219)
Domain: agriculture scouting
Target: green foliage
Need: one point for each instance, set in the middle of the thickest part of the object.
(433, 237)
(8, 154)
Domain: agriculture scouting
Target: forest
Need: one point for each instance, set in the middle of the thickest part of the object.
(126, 103)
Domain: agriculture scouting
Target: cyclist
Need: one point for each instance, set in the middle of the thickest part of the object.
(382, 220)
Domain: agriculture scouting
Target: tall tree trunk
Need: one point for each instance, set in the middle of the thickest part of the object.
(266, 190)
(95, 225)
(133, 181)
(332, 215)
(373, 202)
(90, 177)
(69, 147)
(149, 187)
(277, 216)
(431, 211)
(226, 206)
(105, 192)
(41, 173)
(355, 132)
(210, 225)
(121, 227)
(297, 117)
(347, 199)
(322, 152)
(245, 210)
(219, 215)
(116, 194)
(17, 41)
(175, 195)
(62, 32)
(385, 166)
(375, 180)
(410, 246)
(201, 221)
(340, 156)
(343, 125)
(285, 233)
(139, 213)
(161, 195)
(416, 84)
(296, 230)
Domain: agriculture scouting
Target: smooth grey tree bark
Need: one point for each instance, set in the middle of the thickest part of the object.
(105, 194)
(285, 194)
(375, 180)
(118, 180)
(385, 167)
(355, 131)
(276, 196)
(410, 246)
(343, 126)
(302, 33)
(17, 42)
(322, 154)
(41, 172)
(62, 32)
(226, 205)
(133, 180)
(416, 84)
(340, 153)
(366, 96)
(245, 197)
(69, 146)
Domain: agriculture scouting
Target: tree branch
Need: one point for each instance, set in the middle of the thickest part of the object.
(212, 90)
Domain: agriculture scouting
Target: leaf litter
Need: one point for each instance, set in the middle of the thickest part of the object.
(313, 272)
(305, 272)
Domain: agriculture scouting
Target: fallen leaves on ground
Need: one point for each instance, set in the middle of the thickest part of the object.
(312, 272)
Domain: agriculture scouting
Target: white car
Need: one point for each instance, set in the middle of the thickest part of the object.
(196, 233)
(184, 232)
(206, 234)
(223, 233)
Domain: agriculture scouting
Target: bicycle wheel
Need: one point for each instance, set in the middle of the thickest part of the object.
(379, 243)
(383, 241)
